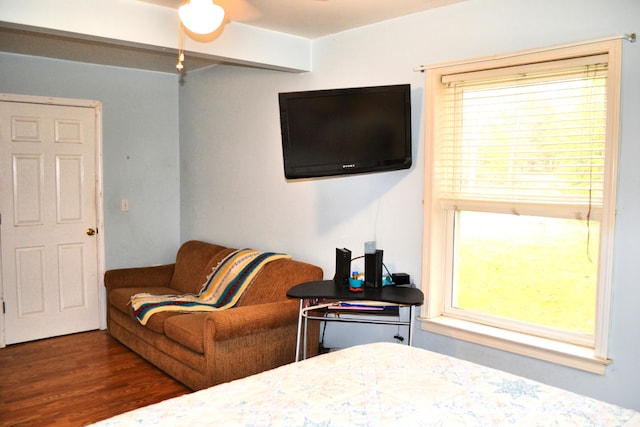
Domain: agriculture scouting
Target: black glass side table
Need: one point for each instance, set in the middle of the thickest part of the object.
(336, 294)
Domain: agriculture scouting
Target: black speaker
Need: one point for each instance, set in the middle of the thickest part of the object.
(343, 267)
(373, 269)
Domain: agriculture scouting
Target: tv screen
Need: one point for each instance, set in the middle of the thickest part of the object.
(345, 131)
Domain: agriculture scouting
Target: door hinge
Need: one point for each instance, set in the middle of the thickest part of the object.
(4, 310)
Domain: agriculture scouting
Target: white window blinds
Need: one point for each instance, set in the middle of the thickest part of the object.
(525, 142)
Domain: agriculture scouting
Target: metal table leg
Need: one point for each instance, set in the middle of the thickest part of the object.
(299, 331)
(411, 313)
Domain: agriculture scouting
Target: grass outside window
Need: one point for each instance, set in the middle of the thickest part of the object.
(531, 269)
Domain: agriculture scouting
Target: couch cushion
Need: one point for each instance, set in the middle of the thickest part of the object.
(186, 329)
(120, 297)
(193, 264)
(276, 278)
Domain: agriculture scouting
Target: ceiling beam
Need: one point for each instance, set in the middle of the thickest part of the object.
(139, 24)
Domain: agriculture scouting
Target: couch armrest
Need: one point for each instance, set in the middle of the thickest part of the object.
(251, 319)
(157, 276)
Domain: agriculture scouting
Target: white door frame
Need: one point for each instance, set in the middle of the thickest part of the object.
(97, 106)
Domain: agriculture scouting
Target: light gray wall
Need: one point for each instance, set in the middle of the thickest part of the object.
(234, 192)
(140, 148)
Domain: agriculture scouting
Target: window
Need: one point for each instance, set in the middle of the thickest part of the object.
(520, 200)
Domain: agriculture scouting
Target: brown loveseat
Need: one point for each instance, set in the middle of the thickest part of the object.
(204, 349)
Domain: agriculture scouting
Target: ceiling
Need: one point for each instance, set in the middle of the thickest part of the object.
(303, 18)
(314, 18)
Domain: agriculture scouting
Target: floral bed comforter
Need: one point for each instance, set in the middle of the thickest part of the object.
(380, 384)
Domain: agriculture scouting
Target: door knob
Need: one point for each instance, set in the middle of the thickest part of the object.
(90, 231)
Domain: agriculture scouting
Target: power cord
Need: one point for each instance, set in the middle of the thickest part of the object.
(399, 337)
(383, 264)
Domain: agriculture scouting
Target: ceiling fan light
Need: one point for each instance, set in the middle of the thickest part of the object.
(201, 16)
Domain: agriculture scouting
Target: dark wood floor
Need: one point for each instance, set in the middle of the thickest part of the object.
(75, 380)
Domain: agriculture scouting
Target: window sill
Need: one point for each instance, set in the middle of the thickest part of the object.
(527, 345)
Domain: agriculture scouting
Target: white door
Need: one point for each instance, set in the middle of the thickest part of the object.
(48, 207)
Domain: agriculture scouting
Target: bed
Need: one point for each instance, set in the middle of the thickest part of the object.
(378, 385)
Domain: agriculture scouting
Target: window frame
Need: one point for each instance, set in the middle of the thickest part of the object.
(439, 222)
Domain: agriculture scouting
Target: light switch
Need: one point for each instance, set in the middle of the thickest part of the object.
(124, 205)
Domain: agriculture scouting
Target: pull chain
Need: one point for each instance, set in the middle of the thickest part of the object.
(179, 65)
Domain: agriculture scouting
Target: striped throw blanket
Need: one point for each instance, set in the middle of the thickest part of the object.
(223, 288)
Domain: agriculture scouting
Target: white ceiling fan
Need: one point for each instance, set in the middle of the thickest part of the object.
(234, 10)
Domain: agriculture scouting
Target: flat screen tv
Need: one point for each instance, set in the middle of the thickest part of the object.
(345, 131)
